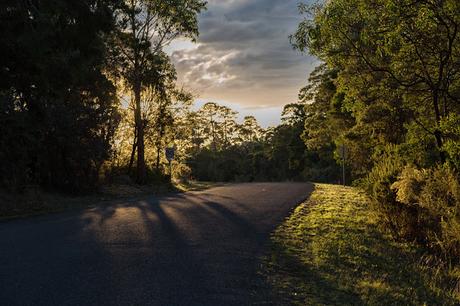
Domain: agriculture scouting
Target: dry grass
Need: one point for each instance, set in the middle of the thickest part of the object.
(36, 202)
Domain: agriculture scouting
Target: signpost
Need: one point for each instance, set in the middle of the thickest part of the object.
(343, 156)
(169, 152)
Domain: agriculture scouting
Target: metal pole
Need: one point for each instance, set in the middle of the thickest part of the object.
(343, 165)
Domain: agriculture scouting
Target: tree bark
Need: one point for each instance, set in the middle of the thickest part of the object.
(437, 132)
(133, 151)
(141, 171)
(137, 87)
(158, 157)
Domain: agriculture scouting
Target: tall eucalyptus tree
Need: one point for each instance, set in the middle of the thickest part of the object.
(145, 27)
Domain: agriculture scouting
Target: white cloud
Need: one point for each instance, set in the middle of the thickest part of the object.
(243, 54)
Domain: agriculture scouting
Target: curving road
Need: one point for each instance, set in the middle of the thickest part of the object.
(196, 248)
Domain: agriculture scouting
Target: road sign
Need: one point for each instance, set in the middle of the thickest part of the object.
(169, 154)
(343, 152)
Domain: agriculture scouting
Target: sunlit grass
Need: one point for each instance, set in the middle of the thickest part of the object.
(331, 252)
(194, 185)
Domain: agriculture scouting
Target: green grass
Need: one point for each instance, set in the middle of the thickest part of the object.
(330, 251)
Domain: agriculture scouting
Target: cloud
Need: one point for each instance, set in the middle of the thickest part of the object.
(203, 66)
(243, 54)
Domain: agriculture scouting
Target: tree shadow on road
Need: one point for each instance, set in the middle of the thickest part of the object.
(181, 249)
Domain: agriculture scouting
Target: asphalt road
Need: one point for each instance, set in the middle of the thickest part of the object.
(196, 248)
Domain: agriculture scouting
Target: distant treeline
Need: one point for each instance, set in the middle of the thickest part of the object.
(224, 150)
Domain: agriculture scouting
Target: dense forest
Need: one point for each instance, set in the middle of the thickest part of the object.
(88, 94)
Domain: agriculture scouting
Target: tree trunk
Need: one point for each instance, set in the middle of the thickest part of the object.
(141, 171)
(437, 132)
(158, 157)
(225, 132)
(133, 151)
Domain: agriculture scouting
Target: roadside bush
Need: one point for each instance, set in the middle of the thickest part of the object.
(378, 184)
(420, 205)
(181, 172)
(435, 194)
(157, 176)
(450, 127)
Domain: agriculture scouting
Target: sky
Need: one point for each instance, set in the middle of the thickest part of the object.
(243, 58)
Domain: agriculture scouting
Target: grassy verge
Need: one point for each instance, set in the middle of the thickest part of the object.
(36, 202)
(331, 252)
(196, 186)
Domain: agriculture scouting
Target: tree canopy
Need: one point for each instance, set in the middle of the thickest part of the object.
(388, 89)
(58, 110)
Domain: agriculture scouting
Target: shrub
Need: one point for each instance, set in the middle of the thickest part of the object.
(420, 205)
(181, 172)
(378, 186)
(435, 193)
(450, 127)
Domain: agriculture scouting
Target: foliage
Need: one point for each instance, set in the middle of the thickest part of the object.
(224, 150)
(451, 126)
(435, 193)
(144, 28)
(378, 185)
(389, 90)
(58, 109)
(65, 67)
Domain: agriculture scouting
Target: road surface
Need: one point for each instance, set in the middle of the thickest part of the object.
(195, 248)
